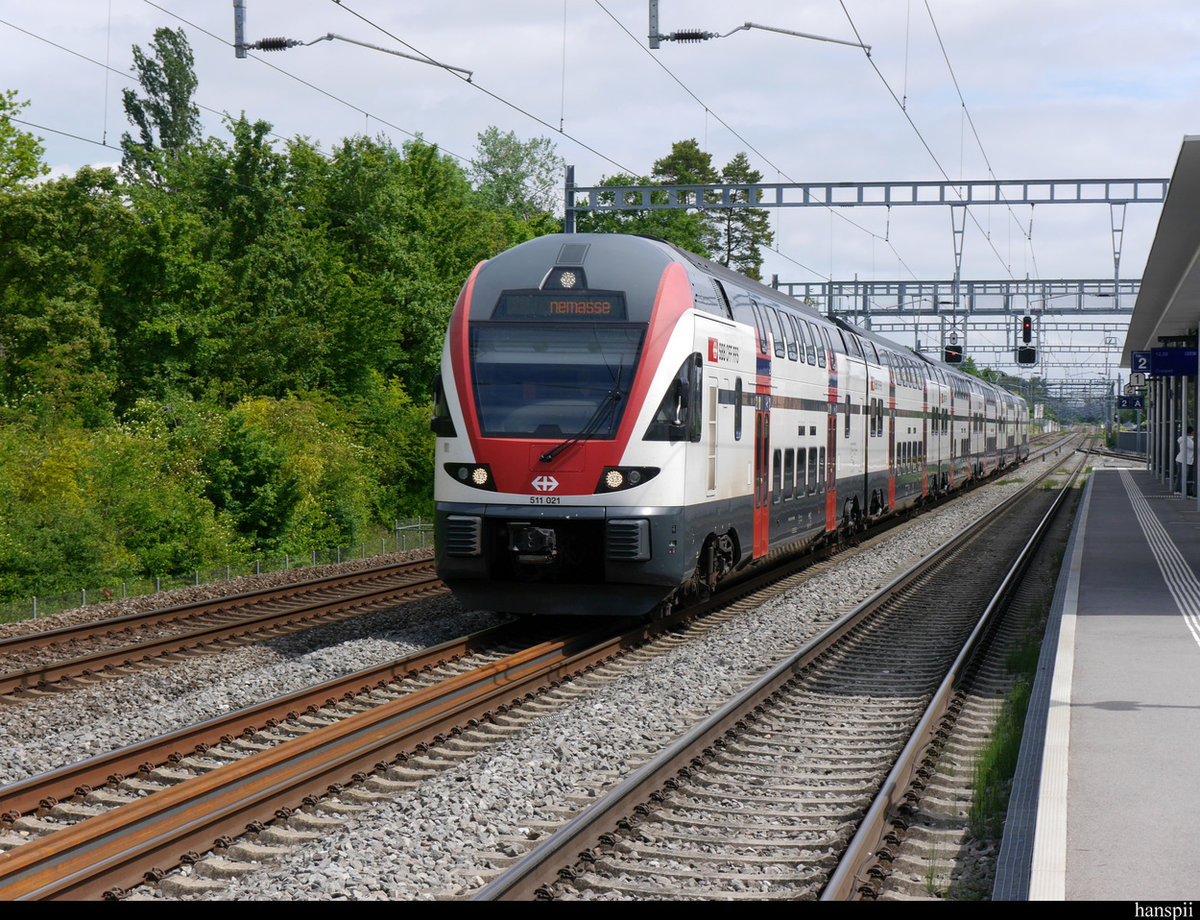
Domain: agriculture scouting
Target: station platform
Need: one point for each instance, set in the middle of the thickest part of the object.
(1106, 799)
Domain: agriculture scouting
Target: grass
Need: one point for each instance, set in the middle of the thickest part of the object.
(997, 763)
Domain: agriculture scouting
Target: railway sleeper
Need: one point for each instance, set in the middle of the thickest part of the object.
(176, 885)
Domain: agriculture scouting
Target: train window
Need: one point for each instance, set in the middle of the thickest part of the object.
(722, 298)
(802, 475)
(847, 434)
(789, 333)
(441, 424)
(828, 346)
(776, 476)
(821, 471)
(680, 414)
(538, 380)
(776, 331)
(797, 337)
(789, 473)
(760, 325)
(737, 410)
(810, 343)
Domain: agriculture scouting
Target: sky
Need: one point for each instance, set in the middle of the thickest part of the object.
(1053, 89)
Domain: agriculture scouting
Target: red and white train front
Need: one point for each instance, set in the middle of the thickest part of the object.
(570, 425)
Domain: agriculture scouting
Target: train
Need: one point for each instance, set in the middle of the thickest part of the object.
(622, 425)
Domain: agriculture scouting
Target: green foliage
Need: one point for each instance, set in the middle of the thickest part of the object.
(521, 177)
(166, 118)
(742, 232)
(113, 503)
(55, 244)
(20, 152)
(227, 350)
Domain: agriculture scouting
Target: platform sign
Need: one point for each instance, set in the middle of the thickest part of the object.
(1139, 362)
(1137, 380)
(1131, 402)
(1172, 362)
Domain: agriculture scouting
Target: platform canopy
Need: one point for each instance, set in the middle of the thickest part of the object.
(1168, 304)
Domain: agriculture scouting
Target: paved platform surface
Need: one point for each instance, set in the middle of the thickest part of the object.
(1106, 801)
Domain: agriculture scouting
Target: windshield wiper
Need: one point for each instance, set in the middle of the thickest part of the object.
(603, 411)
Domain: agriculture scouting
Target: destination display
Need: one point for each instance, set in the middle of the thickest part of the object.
(561, 305)
(1172, 362)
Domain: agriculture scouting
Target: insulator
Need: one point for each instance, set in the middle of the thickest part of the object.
(689, 35)
(271, 44)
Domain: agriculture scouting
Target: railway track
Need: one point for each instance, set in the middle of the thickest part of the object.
(763, 799)
(60, 659)
(202, 762)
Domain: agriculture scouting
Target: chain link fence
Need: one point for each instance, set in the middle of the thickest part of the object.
(413, 533)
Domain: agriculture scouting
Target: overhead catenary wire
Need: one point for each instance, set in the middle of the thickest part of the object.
(483, 89)
(924, 143)
(288, 198)
(541, 121)
(413, 134)
(778, 169)
(975, 131)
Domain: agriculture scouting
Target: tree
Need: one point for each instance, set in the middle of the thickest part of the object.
(523, 177)
(166, 118)
(686, 164)
(20, 152)
(742, 232)
(57, 240)
(693, 230)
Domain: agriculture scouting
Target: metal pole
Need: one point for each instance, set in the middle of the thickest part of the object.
(239, 28)
(1174, 397)
(569, 201)
(1183, 423)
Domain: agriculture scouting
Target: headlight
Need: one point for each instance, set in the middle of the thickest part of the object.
(616, 478)
(478, 475)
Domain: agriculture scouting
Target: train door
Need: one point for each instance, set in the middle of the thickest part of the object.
(927, 389)
(828, 472)
(762, 437)
(762, 476)
(711, 434)
(890, 432)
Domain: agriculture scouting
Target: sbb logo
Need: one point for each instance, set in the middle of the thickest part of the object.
(545, 483)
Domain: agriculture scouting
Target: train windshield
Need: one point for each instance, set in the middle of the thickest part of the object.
(535, 380)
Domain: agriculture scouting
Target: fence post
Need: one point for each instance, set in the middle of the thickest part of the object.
(286, 562)
(156, 585)
(83, 591)
(256, 571)
(35, 606)
(314, 557)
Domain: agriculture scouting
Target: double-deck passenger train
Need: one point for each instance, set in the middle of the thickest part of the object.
(622, 424)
